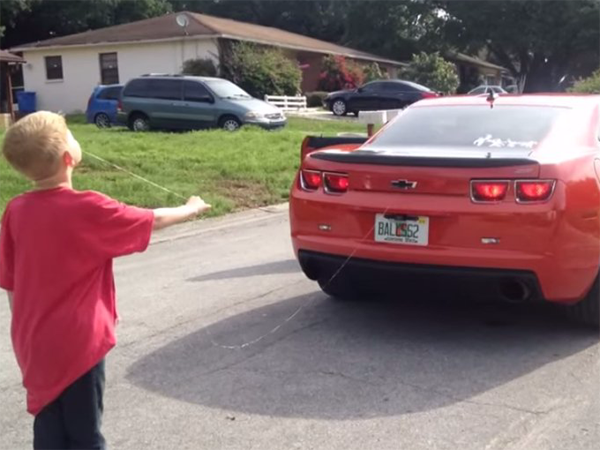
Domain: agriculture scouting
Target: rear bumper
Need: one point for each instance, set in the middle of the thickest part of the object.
(390, 274)
(543, 244)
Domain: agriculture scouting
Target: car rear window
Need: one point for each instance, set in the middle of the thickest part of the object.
(111, 93)
(503, 126)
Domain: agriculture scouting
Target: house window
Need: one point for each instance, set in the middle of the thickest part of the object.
(109, 68)
(54, 70)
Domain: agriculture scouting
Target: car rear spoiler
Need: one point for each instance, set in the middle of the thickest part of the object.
(359, 157)
(313, 143)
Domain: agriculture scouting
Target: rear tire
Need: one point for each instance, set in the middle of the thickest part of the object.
(139, 122)
(102, 120)
(587, 311)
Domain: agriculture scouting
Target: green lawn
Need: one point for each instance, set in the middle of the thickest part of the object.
(231, 171)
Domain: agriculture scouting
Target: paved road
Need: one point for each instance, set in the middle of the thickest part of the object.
(411, 374)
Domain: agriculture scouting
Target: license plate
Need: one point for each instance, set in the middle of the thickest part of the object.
(396, 231)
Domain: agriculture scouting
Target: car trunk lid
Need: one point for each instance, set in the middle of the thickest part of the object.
(432, 171)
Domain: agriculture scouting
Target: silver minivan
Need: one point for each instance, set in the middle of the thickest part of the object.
(191, 103)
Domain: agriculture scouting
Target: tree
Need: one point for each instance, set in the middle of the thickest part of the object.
(433, 71)
(35, 20)
(10, 10)
(540, 42)
(395, 29)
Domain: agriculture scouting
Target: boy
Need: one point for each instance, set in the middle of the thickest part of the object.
(56, 251)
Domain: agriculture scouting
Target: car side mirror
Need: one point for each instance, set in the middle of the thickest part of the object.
(360, 89)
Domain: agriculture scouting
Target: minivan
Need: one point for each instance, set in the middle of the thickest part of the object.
(189, 103)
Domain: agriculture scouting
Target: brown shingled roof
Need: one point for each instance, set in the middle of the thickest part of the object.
(9, 57)
(475, 61)
(165, 27)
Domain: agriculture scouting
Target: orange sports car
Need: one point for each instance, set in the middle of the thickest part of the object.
(504, 191)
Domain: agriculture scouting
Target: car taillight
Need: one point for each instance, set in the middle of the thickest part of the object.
(429, 95)
(89, 102)
(311, 179)
(534, 191)
(488, 191)
(336, 183)
(119, 106)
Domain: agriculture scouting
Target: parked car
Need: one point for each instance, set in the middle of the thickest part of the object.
(186, 102)
(377, 95)
(453, 189)
(102, 105)
(485, 90)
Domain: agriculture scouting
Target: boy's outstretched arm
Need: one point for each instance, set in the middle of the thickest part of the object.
(165, 217)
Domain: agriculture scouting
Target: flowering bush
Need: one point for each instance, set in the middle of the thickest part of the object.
(338, 73)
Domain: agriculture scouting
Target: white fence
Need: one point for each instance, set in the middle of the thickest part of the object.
(287, 103)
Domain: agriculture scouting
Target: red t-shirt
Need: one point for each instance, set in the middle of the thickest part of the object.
(56, 251)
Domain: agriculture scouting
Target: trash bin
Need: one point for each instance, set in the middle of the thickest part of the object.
(26, 102)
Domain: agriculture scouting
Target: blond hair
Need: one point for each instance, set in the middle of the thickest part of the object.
(35, 144)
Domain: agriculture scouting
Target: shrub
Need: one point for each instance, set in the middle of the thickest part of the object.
(433, 71)
(374, 72)
(315, 99)
(261, 71)
(590, 85)
(338, 73)
(201, 67)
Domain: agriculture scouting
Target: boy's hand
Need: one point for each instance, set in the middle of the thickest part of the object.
(198, 205)
(165, 217)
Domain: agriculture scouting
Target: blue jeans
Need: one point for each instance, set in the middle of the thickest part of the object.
(73, 420)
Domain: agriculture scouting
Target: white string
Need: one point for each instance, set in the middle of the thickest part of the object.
(301, 307)
(290, 317)
(146, 180)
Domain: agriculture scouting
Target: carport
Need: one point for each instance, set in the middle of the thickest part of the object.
(8, 64)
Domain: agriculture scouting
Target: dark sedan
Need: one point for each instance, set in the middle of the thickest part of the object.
(377, 95)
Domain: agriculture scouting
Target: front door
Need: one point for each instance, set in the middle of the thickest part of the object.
(367, 98)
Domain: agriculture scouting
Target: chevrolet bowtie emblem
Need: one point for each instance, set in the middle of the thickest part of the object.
(404, 184)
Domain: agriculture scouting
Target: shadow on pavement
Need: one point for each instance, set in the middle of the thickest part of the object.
(345, 360)
(279, 267)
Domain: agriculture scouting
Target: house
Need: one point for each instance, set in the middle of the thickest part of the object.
(63, 71)
(473, 71)
(8, 66)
